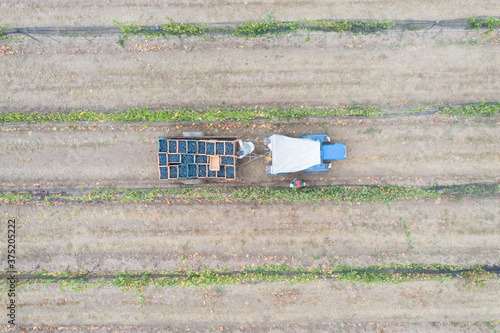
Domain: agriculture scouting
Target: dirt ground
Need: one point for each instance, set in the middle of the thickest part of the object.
(116, 237)
(404, 150)
(395, 327)
(327, 303)
(397, 71)
(41, 13)
(312, 71)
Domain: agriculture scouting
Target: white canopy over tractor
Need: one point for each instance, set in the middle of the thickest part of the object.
(293, 154)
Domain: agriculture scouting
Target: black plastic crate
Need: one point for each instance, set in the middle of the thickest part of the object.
(192, 147)
(192, 170)
(227, 160)
(163, 146)
(182, 146)
(201, 159)
(163, 172)
(202, 170)
(230, 148)
(222, 172)
(219, 148)
(172, 146)
(230, 172)
(202, 145)
(173, 171)
(162, 159)
(187, 158)
(210, 148)
(183, 171)
(174, 158)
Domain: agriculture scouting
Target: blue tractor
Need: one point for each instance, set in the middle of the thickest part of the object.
(312, 154)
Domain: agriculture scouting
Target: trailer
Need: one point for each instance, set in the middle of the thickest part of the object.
(195, 156)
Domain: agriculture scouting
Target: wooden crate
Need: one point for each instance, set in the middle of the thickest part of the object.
(200, 168)
(230, 148)
(162, 159)
(173, 172)
(163, 172)
(214, 163)
(202, 147)
(210, 143)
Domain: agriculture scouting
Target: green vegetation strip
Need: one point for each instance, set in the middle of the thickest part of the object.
(341, 194)
(250, 29)
(484, 22)
(473, 276)
(270, 26)
(487, 109)
(244, 115)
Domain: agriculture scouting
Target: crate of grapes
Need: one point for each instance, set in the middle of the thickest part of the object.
(196, 157)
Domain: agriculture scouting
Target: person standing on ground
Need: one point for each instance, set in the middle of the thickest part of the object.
(297, 183)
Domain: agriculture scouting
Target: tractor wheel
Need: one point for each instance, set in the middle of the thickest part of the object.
(311, 173)
(279, 174)
(327, 138)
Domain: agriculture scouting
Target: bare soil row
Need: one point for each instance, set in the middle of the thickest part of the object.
(404, 150)
(312, 71)
(261, 306)
(156, 236)
(68, 13)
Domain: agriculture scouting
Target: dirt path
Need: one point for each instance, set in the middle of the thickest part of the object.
(263, 304)
(285, 72)
(414, 150)
(64, 13)
(115, 237)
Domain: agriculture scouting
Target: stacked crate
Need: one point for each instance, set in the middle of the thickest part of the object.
(163, 158)
(222, 159)
(182, 159)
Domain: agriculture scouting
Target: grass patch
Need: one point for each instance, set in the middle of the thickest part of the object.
(482, 108)
(4, 37)
(475, 190)
(15, 197)
(484, 22)
(407, 235)
(352, 26)
(252, 29)
(133, 29)
(171, 116)
(340, 194)
(182, 29)
(219, 114)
